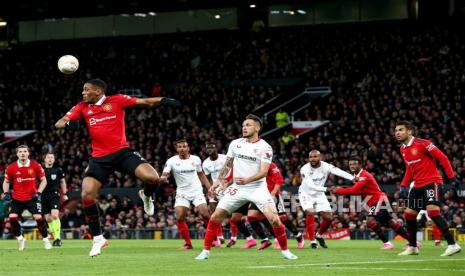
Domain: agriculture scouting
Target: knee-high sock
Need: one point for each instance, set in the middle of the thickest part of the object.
(234, 229)
(210, 234)
(374, 226)
(280, 234)
(56, 230)
(310, 223)
(42, 225)
(436, 233)
(400, 231)
(324, 225)
(15, 227)
(412, 227)
(184, 231)
(92, 216)
(436, 217)
(289, 225)
(220, 232)
(257, 227)
(150, 188)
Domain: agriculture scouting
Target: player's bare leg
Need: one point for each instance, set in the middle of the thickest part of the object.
(410, 216)
(326, 218)
(149, 176)
(434, 212)
(16, 230)
(310, 227)
(271, 214)
(90, 190)
(215, 221)
(252, 217)
(181, 213)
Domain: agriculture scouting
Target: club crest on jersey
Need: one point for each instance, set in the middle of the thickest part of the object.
(30, 171)
(256, 151)
(53, 176)
(414, 151)
(107, 107)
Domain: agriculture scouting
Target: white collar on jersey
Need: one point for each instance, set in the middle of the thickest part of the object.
(100, 102)
(359, 173)
(409, 142)
(28, 163)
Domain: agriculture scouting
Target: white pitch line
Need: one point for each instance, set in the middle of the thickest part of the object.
(398, 269)
(355, 263)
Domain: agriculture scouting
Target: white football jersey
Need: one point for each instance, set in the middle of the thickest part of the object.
(248, 157)
(314, 179)
(213, 168)
(185, 173)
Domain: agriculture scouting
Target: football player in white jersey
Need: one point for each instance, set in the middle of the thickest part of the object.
(312, 194)
(189, 177)
(211, 167)
(252, 157)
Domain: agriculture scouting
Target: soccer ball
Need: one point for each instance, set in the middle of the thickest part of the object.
(68, 64)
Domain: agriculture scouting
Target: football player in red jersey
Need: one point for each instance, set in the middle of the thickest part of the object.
(23, 174)
(104, 117)
(274, 180)
(366, 186)
(420, 156)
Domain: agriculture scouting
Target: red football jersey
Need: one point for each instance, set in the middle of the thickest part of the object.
(105, 121)
(274, 177)
(23, 179)
(365, 186)
(420, 157)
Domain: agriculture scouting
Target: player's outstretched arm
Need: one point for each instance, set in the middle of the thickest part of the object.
(62, 122)
(156, 101)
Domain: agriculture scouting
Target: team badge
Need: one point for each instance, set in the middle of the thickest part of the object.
(107, 107)
(414, 151)
(30, 171)
(53, 176)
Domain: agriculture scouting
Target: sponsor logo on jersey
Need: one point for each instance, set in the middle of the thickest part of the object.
(19, 179)
(250, 158)
(94, 121)
(186, 171)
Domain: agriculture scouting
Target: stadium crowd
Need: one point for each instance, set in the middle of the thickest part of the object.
(378, 73)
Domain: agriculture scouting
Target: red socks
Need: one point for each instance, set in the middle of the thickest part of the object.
(310, 221)
(280, 234)
(184, 231)
(324, 225)
(234, 229)
(210, 235)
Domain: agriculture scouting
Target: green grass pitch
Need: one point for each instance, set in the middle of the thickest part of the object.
(161, 257)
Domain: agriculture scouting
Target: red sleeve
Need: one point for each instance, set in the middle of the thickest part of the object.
(407, 177)
(125, 101)
(277, 177)
(437, 154)
(8, 174)
(354, 190)
(39, 171)
(75, 113)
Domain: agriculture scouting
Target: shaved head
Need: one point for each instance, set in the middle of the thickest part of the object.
(314, 158)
